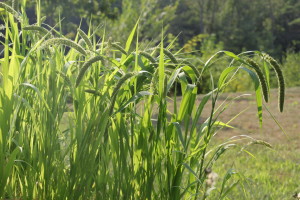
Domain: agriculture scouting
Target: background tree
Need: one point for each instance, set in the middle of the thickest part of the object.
(271, 25)
(153, 15)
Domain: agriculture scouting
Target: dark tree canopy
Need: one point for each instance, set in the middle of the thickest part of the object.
(270, 25)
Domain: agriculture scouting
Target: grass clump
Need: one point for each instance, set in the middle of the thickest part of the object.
(122, 139)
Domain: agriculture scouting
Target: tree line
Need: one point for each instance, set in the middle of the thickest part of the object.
(200, 26)
(271, 25)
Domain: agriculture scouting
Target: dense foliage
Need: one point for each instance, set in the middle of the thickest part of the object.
(271, 25)
(95, 119)
(200, 26)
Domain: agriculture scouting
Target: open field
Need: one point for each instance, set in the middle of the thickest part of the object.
(269, 173)
(247, 122)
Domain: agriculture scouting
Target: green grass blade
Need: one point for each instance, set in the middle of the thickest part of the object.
(224, 75)
(129, 40)
(161, 71)
(185, 103)
(258, 93)
(179, 132)
(8, 168)
(133, 99)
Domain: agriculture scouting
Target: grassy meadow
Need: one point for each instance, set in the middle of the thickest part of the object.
(93, 118)
(268, 173)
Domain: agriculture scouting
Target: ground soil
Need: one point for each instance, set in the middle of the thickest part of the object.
(248, 123)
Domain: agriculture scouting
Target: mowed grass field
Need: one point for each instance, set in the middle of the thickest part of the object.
(265, 173)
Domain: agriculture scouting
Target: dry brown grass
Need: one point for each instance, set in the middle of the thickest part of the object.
(247, 123)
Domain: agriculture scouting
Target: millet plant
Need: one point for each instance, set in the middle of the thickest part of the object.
(89, 119)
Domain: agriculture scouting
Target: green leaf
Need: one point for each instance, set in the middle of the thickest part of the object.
(179, 132)
(134, 98)
(227, 176)
(185, 102)
(190, 72)
(191, 170)
(9, 166)
(207, 63)
(258, 93)
(229, 189)
(219, 123)
(161, 70)
(40, 96)
(172, 79)
(199, 110)
(129, 41)
(267, 74)
(224, 75)
(232, 55)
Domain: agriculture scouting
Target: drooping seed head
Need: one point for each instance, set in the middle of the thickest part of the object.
(81, 42)
(171, 56)
(85, 38)
(193, 67)
(63, 41)
(117, 88)
(149, 57)
(154, 80)
(10, 10)
(261, 77)
(274, 64)
(40, 29)
(85, 66)
(94, 92)
(118, 47)
(14, 5)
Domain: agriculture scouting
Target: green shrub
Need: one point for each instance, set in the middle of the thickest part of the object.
(291, 69)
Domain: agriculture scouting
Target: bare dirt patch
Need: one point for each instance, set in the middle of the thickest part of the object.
(247, 122)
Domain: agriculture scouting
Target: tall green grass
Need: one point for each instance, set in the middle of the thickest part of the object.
(96, 120)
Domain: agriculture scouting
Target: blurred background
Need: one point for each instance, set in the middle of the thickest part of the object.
(201, 27)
